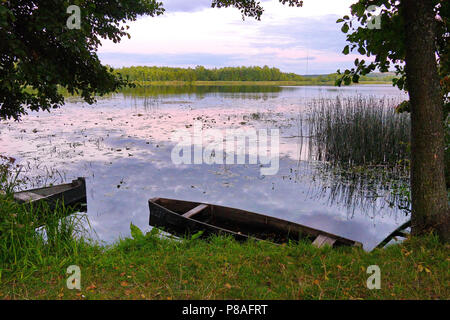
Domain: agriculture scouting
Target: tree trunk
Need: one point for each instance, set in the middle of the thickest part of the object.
(430, 209)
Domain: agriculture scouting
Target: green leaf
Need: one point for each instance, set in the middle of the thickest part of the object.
(136, 233)
(197, 235)
(345, 28)
(346, 50)
(360, 9)
(153, 233)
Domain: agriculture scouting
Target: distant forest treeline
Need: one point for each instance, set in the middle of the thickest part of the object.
(200, 73)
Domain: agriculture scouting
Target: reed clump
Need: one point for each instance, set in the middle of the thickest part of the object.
(359, 131)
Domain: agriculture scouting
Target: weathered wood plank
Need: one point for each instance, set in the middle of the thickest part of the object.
(195, 211)
(28, 196)
(401, 234)
(396, 232)
(322, 240)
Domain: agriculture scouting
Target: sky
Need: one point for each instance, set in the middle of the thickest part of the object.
(305, 40)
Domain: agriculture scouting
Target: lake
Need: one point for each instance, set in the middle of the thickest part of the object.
(123, 146)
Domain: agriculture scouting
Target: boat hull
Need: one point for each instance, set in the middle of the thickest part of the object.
(71, 195)
(167, 214)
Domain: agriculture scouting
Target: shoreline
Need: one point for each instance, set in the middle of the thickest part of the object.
(249, 83)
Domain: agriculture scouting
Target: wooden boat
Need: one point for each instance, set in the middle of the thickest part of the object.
(71, 194)
(397, 233)
(183, 217)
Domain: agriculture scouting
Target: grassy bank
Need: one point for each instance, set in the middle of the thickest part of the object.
(220, 268)
(311, 82)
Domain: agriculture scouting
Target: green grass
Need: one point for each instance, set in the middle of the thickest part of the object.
(221, 268)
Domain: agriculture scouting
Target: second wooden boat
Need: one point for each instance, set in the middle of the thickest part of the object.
(183, 217)
(70, 194)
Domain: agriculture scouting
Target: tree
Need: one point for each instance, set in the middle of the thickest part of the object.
(428, 188)
(251, 8)
(409, 36)
(39, 53)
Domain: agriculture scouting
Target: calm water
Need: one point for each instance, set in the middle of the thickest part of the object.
(123, 146)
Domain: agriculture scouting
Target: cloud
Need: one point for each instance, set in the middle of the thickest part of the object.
(315, 33)
(304, 41)
(171, 60)
(185, 5)
(309, 8)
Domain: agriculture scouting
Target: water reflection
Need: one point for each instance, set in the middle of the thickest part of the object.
(198, 91)
(123, 145)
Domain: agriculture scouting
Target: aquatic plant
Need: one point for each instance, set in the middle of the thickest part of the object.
(362, 146)
(359, 131)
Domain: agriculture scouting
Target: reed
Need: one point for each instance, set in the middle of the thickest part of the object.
(359, 131)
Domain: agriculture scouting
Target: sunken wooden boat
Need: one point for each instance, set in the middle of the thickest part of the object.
(182, 218)
(70, 195)
(400, 232)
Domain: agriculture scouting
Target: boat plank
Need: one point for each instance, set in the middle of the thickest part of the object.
(322, 240)
(28, 196)
(71, 194)
(396, 233)
(195, 211)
